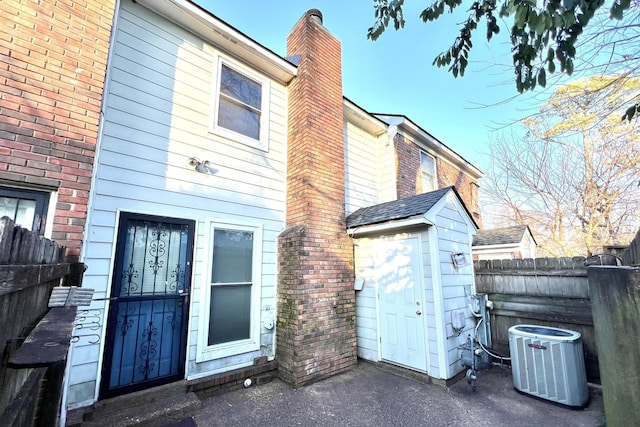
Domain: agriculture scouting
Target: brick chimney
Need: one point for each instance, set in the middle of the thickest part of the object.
(316, 302)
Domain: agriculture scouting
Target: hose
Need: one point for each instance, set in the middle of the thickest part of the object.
(502, 358)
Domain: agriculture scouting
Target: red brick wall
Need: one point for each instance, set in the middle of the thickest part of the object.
(316, 300)
(448, 175)
(407, 167)
(53, 56)
(409, 179)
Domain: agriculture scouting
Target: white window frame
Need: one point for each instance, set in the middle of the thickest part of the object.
(210, 352)
(424, 175)
(263, 142)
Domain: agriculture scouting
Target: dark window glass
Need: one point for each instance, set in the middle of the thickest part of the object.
(240, 103)
(27, 208)
(231, 278)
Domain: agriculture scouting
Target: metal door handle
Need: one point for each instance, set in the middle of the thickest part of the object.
(418, 312)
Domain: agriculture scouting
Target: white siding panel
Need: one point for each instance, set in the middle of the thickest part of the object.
(457, 284)
(157, 116)
(361, 168)
(367, 335)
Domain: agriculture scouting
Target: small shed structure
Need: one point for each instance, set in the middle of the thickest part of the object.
(515, 242)
(413, 278)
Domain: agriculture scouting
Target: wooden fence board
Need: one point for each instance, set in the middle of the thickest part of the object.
(17, 277)
(29, 267)
(631, 256)
(22, 412)
(543, 291)
(554, 309)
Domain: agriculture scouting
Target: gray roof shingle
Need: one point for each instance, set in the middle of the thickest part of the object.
(499, 236)
(397, 209)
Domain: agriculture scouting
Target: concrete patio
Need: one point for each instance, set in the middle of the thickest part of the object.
(375, 395)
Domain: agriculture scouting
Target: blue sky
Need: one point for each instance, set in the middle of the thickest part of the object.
(394, 74)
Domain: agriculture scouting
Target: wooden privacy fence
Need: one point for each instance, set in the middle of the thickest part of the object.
(30, 266)
(543, 291)
(615, 294)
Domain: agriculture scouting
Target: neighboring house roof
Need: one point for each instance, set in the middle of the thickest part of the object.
(501, 236)
(399, 209)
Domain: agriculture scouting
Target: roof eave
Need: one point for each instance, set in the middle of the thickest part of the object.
(418, 133)
(363, 119)
(497, 246)
(202, 23)
(388, 225)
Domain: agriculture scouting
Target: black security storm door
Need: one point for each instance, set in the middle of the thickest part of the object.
(148, 314)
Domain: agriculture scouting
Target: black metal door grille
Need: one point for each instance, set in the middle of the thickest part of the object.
(147, 323)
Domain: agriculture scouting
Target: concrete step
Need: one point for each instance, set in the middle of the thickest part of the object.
(159, 406)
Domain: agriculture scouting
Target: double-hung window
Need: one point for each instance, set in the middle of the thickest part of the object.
(241, 105)
(27, 208)
(428, 167)
(231, 307)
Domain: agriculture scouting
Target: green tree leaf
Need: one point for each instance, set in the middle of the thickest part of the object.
(541, 33)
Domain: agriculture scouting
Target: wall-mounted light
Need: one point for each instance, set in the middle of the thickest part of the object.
(202, 166)
(458, 259)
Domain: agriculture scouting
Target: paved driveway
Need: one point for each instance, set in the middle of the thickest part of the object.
(372, 396)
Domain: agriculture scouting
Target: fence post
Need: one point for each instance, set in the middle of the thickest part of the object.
(615, 303)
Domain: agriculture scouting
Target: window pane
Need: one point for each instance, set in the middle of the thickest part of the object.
(428, 164)
(232, 256)
(230, 316)
(239, 118)
(21, 211)
(239, 87)
(8, 206)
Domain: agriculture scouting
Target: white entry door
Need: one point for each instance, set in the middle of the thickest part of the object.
(402, 329)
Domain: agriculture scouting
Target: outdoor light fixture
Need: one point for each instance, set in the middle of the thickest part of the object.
(458, 259)
(202, 166)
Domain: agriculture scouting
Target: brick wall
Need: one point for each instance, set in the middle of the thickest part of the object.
(449, 175)
(409, 179)
(53, 57)
(316, 300)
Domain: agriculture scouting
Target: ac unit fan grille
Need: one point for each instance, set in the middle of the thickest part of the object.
(541, 368)
(549, 363)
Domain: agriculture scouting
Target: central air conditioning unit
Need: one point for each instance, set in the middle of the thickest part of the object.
(549, 363)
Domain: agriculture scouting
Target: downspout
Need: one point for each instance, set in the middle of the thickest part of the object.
(94, 174)
(392, 131)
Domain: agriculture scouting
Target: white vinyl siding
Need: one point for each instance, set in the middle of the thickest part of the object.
(457, 283)
(369, 176)
(367, 335)
(445, 288)
(156, 118)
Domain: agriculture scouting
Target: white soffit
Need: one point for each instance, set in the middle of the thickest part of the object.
(198, 21)
(363, 119)
(389, 226)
